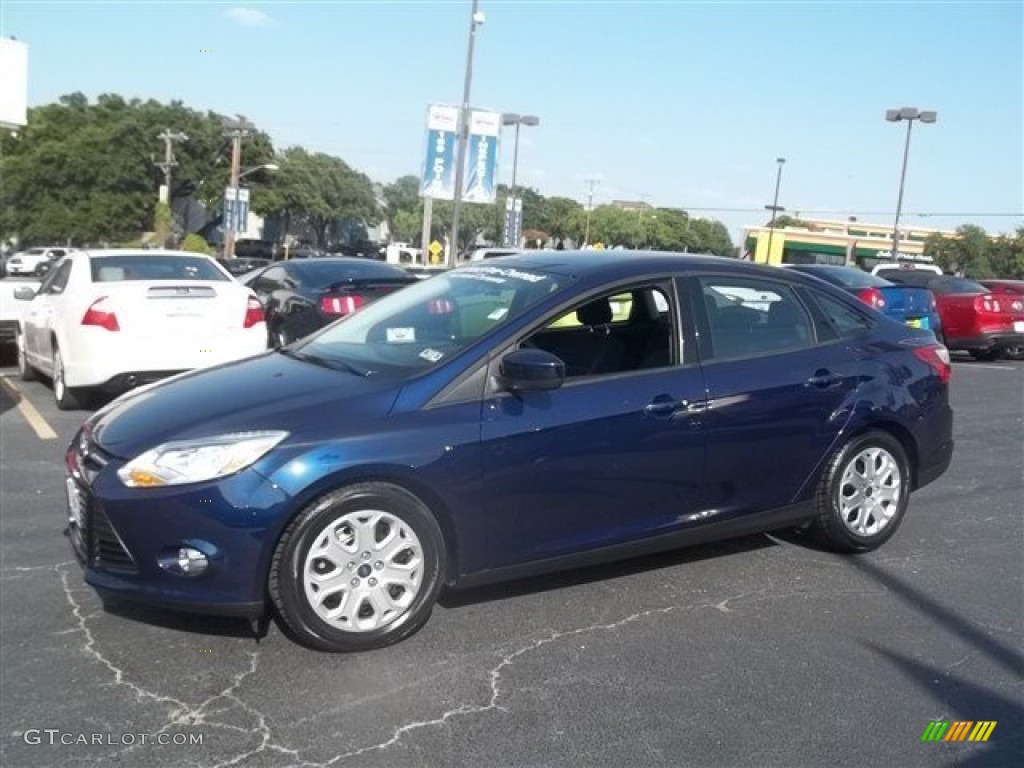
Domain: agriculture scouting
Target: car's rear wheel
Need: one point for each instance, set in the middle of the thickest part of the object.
(68, 398)
(25, 370)
(984, 354)
(863, 494)
(358, 569)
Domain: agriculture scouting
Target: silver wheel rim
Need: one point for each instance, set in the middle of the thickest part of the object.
(363, 571)
(58, 376)
(869, 492)
(22, 361)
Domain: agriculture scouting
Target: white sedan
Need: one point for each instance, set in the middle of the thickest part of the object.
(115, 319)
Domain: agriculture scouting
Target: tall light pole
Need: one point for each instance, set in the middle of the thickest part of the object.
(476, 18)
(516, 120)
(774, 208)
(909, 114)
(590, 206)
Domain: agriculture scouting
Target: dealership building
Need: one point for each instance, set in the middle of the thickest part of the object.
(822, 241)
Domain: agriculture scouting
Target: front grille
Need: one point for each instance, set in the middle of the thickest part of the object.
(106, 550)
(92, 535)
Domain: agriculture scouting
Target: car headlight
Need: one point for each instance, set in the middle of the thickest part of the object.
(193, 461)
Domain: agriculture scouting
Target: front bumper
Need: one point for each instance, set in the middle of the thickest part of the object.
(120, 535)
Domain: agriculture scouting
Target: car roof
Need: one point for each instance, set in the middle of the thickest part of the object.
(100, 253)
(609, 264)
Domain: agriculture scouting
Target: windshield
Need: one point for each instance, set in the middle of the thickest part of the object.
(430, 321)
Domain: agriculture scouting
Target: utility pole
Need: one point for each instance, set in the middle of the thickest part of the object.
(166, 194)
(776, 209)
(235, 130)
(590, 206)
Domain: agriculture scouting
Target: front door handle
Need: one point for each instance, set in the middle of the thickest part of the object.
(823, 379)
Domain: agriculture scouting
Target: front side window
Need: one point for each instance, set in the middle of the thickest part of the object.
(57, 281)
(629, 330)
(750, 317)
(429, 321)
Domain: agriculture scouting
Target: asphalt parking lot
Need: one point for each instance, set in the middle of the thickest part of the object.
(762, 651)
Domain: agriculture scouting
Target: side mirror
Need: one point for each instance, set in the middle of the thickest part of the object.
(531, 370)
(24, 293)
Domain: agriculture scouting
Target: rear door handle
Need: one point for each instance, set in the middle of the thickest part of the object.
(823, 379)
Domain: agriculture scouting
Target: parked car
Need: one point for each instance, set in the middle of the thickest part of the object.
(238, 266)
(904, 303)
(114, 319)
(303, 296)
(34, 261)
(1012, 290)
(973, 319)
(453, 433)
(10, 308)
(886, 270)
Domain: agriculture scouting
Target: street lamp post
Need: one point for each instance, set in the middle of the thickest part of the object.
(909, 114)
(774, 208)
(237, 174)
(516, 120)
(476, 18)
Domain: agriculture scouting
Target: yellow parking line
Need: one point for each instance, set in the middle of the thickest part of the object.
(32, 416)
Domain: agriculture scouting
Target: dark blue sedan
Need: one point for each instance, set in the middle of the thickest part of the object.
(533, 413)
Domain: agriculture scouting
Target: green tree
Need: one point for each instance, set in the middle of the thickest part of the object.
(404, 210)
(966, 253)
(317, 190)
(1006, 256)
(86, 171)
(195, 244)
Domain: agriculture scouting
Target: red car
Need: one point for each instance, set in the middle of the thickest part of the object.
(974, 318)
(1014, 291)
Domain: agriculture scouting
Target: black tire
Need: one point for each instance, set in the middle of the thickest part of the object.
(25, 371)
(310, 527)
(984, 354)
(68, 399)
(836, 528)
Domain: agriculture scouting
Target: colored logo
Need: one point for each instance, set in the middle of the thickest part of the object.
(958, 730)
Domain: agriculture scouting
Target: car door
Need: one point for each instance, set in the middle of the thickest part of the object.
(41, 316)
(609, 457)
(779, 392)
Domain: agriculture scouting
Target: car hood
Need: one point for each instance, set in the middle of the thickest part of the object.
(267, 392)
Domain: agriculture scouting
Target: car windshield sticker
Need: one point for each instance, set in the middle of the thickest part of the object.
(498, 274)
(497, 314)
(401, 335)
(431, 355)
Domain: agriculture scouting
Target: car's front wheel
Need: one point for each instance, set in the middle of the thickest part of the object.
(25, 370)
(863, 494)
(358, 569)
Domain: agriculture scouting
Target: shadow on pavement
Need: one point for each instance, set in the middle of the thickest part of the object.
(8, 398)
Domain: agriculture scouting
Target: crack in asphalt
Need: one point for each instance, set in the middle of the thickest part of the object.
(184, 715)
(181, 713)
(495, 673)
(19, 571)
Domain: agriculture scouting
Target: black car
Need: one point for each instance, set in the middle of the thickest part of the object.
(302, 296)
(240, 265)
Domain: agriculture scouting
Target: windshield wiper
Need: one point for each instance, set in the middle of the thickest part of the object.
(325, 362)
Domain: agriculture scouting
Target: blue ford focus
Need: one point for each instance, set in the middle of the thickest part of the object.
(538, 412)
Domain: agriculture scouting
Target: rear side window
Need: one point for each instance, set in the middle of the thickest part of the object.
(116, 269)
(846, 320)
(750, 317)
(320, 274)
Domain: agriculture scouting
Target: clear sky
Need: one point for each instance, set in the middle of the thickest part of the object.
(683, 104)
